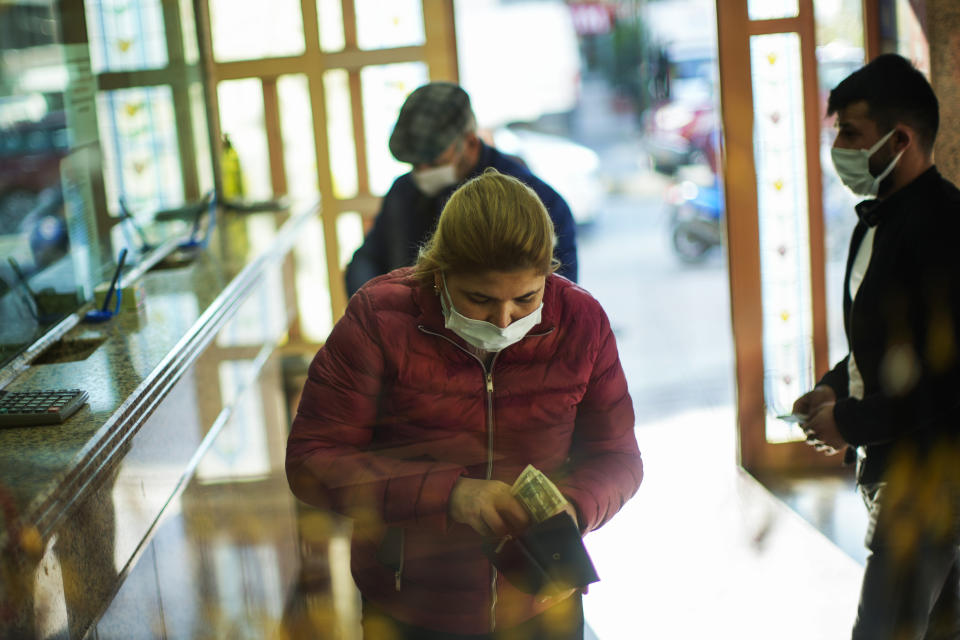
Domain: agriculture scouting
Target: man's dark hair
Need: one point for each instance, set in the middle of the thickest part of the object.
(894, 92)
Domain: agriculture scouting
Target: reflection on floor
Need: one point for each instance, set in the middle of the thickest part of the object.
(830, 502)
(705, 551)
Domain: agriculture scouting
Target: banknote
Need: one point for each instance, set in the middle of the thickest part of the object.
(538, 494)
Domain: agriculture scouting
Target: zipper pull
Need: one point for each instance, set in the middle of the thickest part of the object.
(490, 383)
(396, 579)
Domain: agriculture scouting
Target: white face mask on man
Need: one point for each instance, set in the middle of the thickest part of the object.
(435, 179)
(853, 167)
(486, 335)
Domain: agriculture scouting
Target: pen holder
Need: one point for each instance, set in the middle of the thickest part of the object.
(131, 299)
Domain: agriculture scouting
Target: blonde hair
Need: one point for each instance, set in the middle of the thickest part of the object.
(493, 222)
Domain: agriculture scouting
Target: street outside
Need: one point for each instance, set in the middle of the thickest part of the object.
(671, 319)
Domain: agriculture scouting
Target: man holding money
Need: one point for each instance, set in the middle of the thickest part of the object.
(470, 398)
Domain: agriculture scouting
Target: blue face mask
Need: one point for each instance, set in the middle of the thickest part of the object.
(485, 335)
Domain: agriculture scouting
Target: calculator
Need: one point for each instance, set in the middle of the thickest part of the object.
(27, 408)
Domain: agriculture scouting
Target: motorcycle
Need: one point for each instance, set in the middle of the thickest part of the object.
(696, 219)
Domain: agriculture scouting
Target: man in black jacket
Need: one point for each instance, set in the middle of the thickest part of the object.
(893, 404)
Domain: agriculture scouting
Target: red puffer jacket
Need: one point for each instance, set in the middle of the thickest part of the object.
(396, 408)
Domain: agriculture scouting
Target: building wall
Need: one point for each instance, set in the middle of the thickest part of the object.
(943, 22)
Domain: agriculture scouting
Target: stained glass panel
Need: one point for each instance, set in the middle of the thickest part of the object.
(141, 155)
(126, 35)
(296, 123)
(241, 118)
(780, 158)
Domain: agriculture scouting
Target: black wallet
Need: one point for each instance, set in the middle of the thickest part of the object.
(547, 558)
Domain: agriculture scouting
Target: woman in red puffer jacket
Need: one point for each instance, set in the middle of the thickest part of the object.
(440, 384)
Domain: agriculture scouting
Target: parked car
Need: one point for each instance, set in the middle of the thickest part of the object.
(568, 167)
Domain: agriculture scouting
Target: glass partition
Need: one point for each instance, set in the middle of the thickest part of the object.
(97, 107)
(37, 277)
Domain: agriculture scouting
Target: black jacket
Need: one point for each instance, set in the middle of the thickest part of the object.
(904, 327)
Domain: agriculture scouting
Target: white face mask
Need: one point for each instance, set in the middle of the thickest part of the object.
(853, 167)
(435, 179)
(486, 335)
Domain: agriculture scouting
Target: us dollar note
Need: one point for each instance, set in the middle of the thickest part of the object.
(538, 494)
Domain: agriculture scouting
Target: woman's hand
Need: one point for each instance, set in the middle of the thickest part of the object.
(487, 507)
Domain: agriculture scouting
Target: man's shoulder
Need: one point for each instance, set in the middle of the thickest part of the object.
(402, 189)
(948, 192)
(942, 200)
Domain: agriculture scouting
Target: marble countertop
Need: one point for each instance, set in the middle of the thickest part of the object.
(138, 356)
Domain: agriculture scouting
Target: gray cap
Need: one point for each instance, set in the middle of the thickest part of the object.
(431, 118)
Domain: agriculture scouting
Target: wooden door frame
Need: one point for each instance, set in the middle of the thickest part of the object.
(734, 30)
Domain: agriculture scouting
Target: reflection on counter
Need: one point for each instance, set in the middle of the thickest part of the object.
(181, 446)
(235, 556)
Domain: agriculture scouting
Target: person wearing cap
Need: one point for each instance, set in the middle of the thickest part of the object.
(436, 132)
(432, 394)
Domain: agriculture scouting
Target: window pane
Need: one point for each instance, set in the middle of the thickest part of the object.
(382, 24)
(251, 29)
(385, 88)
(191, 51)
(241, 118)
(503, 91)
(780, 158)
(349, 235)
(839, 53)
(770, 9)
(296, 124)
(126, 35)
(141, 156)
(330, 16)
(313, 291)
(201, 137)
(340, 140)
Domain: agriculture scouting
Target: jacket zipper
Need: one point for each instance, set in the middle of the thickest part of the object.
(493, 570)
(488, 382)
(488, 385)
